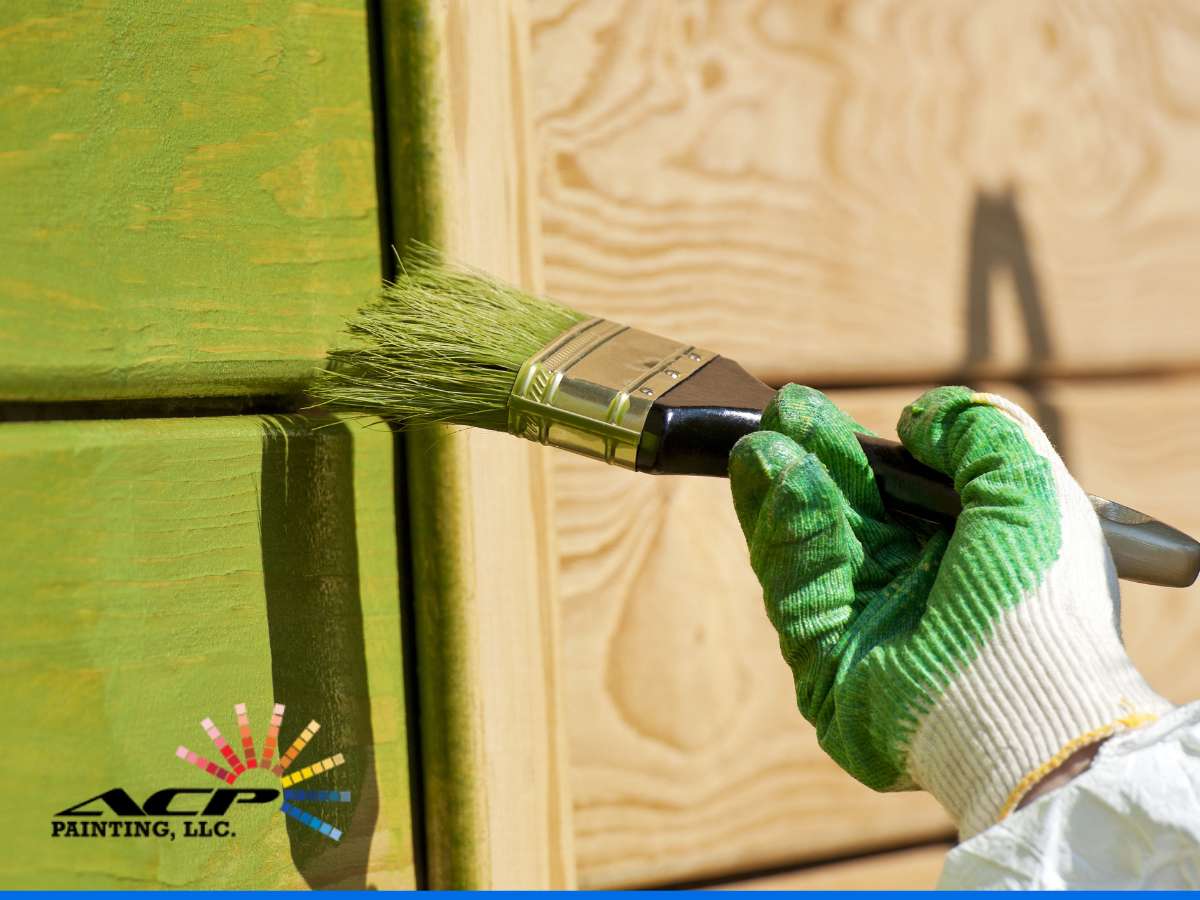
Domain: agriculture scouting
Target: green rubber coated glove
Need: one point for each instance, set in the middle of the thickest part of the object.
(968, 663)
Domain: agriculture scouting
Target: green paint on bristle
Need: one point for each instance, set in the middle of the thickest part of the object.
(442, 343)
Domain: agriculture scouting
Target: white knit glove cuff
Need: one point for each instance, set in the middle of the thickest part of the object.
(1033, 697)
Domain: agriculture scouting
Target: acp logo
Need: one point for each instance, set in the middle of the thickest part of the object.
(134, 819)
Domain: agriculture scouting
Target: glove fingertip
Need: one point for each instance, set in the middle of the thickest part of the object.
(794, 410)
(923, 422)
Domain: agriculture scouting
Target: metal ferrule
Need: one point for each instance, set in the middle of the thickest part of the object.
(591, 388)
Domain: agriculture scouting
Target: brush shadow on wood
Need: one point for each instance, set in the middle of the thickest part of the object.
(315, 626)
(997, 241)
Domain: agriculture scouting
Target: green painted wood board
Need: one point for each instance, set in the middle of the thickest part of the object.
(456, 833)
(156, 573)
(189, 195)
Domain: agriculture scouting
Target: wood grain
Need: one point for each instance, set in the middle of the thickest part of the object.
(838, 192)
(190, 200)
(903, 870)
(162, 571)
(877, 192)
(688, 757)
(494, 751)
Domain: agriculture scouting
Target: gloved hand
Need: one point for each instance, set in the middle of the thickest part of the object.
(969, 663)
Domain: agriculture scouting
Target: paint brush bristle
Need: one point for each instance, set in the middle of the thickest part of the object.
(442, 343)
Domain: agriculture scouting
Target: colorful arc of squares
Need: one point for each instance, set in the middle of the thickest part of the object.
(311, 821)
(205, 765)
(243, 720)
(297, 745)
(252, 761)
(316, 768)
(319, 796)
(223, 746)
(272, 736)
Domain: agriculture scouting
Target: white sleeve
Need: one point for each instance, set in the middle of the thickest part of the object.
(1132, 820)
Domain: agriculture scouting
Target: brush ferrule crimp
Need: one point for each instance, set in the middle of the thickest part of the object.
(591, 388)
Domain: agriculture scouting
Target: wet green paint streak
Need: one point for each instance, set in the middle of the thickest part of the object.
(413, 90)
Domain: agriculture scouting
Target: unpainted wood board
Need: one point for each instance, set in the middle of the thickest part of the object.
(688, 757)
(903, 870)
(189, 195)
(160, 572)
(494, 750)
(832, 191)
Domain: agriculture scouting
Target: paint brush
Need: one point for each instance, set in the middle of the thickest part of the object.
(448, 344)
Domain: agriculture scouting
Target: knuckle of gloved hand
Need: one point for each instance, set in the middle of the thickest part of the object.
(774, 483)
(927, 425)
(758, 459)
(795, 410)
(934, 406)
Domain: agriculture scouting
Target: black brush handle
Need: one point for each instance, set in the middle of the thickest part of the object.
(692, 428)
(697, 440)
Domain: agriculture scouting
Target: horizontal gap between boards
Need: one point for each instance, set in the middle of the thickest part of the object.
(195, 407)
(150, 408)
(863, 855)
(1019, 378)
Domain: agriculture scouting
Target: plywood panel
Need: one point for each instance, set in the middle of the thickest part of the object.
(904, 870)
(189, 195)
(688, 757)
(495, 772)
(160, 572)
(874, 192)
